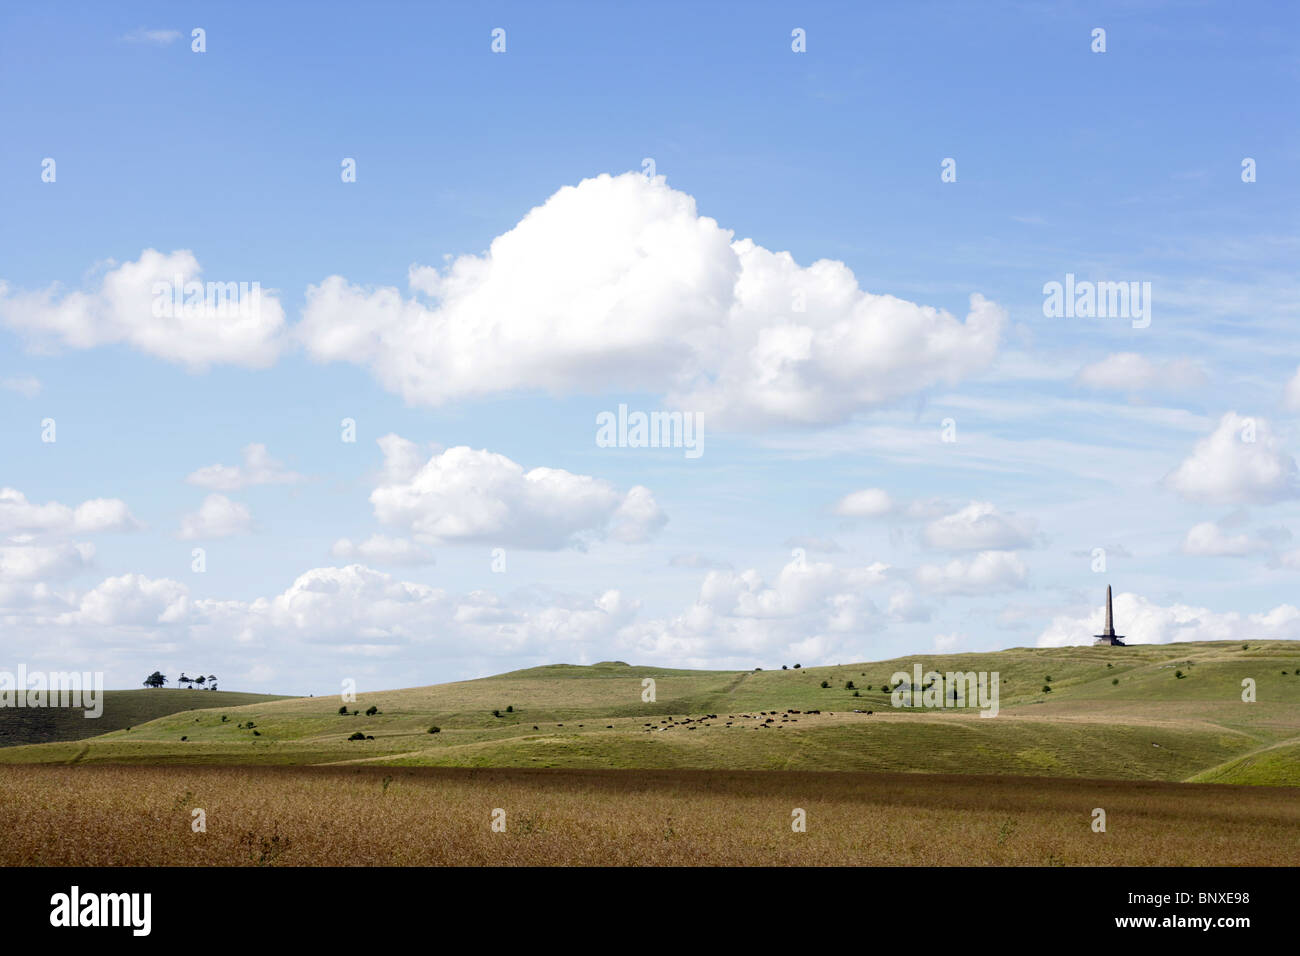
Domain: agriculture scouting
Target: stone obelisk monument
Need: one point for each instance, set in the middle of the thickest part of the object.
(1109, 636)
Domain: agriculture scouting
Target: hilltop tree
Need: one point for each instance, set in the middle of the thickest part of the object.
(212, 682)
(187, 681)
(156, 679)
(200, 680)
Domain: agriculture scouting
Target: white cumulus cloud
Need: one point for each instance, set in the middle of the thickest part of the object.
(18, 515)
(468, 495)
(618, 283)
(988, 572)
(122, 309)
(217, 517)
(979, 527)
(1210, 540)
(1240, 462)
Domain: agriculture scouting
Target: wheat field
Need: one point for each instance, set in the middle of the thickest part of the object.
(369, 816)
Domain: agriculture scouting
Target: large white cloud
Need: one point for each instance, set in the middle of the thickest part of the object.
(468, 495)
(618, 284)
(18, 515)
(23, 559)
(132, 600)
(1240, 462)
(125, 308)
(1143, 622)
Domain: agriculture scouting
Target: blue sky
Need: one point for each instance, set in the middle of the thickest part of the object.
(1071, 433)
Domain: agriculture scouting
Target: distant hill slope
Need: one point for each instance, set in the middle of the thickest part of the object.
(1116, 712)
(122, 708)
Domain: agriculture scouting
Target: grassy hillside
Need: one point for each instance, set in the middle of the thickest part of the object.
(1115, 712)
(122, 709)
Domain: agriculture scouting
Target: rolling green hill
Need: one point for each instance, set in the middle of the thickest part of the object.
(1150, 712)
(122, 709)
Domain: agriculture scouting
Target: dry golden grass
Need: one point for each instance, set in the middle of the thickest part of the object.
(350, 816)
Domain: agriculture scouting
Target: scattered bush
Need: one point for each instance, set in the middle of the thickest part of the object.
(797, 666)
(357, 736)
(185, 738)
(435, 729)
(372, 710)
(1115, 681)
(510, 708)
(257, 733)
(496, 713)
(826, 683)
(1047, 688)
(343, 711)
(1179, 674)
(848, 685)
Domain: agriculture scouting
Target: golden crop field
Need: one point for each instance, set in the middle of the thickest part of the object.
(366, 816)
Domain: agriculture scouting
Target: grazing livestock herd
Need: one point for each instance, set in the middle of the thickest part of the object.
(764, 720)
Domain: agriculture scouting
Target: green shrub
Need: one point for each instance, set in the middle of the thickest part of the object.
(372, 710)
(343, 711)
(1047, 688)
(826, 683)
(357, 736)
(437, 730)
